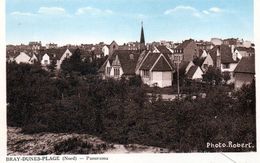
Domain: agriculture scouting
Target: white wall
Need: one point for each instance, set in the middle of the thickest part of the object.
(67, 53)
(105, 50)
(33, 59)
(198, 74)
(112, 72)
(208, 60)
(22, 58)
(45, 57)
(163, 79)
(146, 80)
(231, 69)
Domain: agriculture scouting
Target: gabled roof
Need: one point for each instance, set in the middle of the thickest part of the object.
(191, 71)
(225, 54)
(246, 65)
(184, 44)
(162, 65)
(149, 61)
(127, 58)
(54, 53)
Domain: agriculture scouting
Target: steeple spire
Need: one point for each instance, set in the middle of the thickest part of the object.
(142, 40)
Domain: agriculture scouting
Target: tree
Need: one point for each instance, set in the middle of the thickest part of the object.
(226, 77)
(135, 81)
(52, 66)
(213, 76)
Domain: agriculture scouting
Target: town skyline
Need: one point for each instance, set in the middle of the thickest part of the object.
(76, 22)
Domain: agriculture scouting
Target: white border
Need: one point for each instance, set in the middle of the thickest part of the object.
(127, 158)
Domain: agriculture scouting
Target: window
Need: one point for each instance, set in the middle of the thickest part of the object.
(225, 66)
(146, 74)
(45, 62)
(205, 66)
(67, 55)
(116, 72)
(108, 70)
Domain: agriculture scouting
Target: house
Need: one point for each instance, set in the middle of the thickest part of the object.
(35, 45)
(33, 59)
(45, 60)
(202, 53)
(51, 46)
(231, 41)
(163, 49)
(105, 50)
(208, 61)
(194, 73)
(23, 58)
(225, 59)
(204, 45)
(244, 73)
(112, 47)
(11, 54)
(186, 51)
(244, 52)
(156, 69)
(58, 55)
(185, 66)
(120, 63)
(61, 56)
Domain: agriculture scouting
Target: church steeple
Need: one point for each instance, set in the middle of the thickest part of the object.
(142, 40)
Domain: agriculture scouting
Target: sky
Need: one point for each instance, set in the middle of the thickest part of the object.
(93, 21)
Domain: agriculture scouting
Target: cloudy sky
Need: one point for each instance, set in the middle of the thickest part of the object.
(92, 21)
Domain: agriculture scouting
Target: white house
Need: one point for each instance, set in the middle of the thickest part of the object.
(105, 50)
(22, 58)
(120, 63)
(156, 70)
(45, 60)
(194, 73)
(204, 54)
(33, 59)
(207, 63)
(62, 56)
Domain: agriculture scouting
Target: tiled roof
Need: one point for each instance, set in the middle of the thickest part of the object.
(149, 61)
(128, 64)
(191, 71)
(162, 65)
(246, 65)
(128, 60)
(163, 49)
(12, 53)
(225, 53)
(249, 50)
(184, 44)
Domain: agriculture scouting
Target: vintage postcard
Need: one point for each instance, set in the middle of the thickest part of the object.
(90, 80)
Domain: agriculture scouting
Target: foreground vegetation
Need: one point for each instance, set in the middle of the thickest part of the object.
(121, 112)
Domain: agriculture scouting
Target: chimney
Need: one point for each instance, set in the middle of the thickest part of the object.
(234, 55)
(218, 51)
(232, 48)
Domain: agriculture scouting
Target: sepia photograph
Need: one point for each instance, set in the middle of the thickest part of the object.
(130, 77)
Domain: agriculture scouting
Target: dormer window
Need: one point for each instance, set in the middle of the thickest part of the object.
(131, 56)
